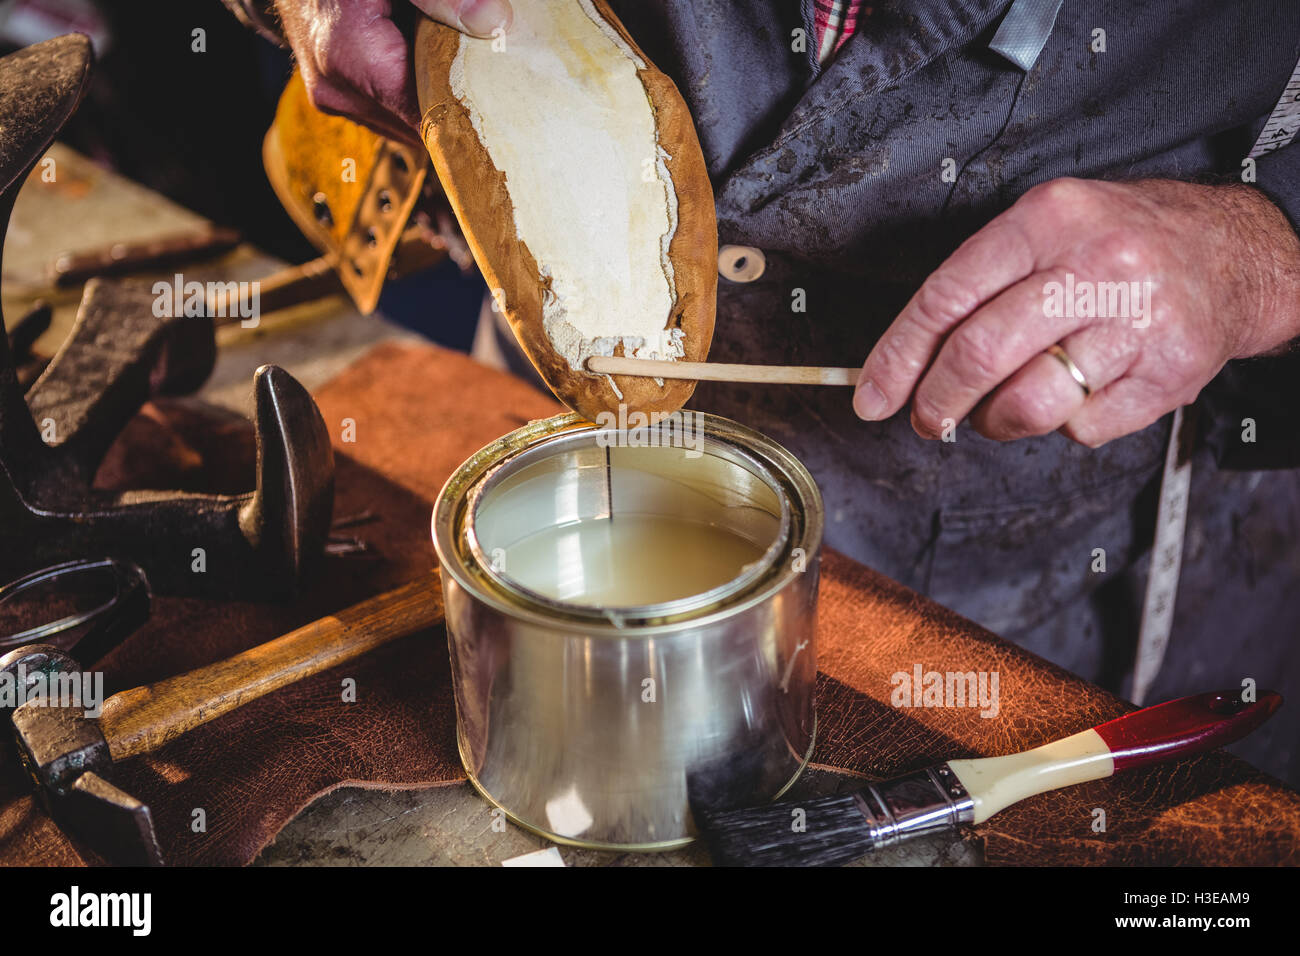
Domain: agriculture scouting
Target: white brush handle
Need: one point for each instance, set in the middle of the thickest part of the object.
(994, 783)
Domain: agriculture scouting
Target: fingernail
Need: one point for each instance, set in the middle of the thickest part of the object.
(481, 17)
(869, 401)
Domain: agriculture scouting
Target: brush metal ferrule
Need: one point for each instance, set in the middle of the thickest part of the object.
(920, 803)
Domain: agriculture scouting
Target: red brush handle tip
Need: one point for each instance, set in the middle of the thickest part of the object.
(1189, 725)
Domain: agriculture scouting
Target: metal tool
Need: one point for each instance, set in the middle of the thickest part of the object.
(123, 350)
(70, 755)
(124, 258)
(118, 356)
(105, 601)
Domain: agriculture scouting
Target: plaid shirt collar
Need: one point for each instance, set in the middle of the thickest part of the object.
(836, 21)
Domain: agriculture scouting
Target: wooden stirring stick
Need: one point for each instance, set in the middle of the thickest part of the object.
(723, 372)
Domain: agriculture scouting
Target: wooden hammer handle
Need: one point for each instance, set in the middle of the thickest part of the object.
(143, 719)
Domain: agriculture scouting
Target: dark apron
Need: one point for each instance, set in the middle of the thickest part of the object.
(836, 178)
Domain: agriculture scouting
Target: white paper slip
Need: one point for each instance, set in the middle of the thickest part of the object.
(548, 857)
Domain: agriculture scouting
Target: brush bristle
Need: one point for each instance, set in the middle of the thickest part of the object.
(827, 831)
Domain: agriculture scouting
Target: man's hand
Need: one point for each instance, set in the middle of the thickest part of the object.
(356, 63)
(1209, 274)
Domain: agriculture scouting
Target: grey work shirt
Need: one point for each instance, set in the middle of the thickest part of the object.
(835, 174)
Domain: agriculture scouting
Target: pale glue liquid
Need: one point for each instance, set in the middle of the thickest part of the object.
(628, 561)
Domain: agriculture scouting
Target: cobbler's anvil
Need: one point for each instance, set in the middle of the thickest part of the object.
(121, 353)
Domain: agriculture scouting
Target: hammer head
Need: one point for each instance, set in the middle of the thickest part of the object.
(57, 745)
(68, 758)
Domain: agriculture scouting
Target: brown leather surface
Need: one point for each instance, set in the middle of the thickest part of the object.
(1212, 809)
(419, 412)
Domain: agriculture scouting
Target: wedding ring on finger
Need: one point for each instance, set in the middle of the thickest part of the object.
(1063, 357)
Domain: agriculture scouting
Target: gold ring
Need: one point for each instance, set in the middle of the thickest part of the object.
(1063, 357)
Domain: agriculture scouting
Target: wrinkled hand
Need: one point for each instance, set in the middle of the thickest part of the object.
(356, 62)
(1217, 273)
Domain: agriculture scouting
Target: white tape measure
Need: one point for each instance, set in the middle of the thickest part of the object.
(1166, 555)
(1284, 122)
(1176, 482)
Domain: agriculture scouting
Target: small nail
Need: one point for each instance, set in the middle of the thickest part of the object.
(869, 401)
(481, 17)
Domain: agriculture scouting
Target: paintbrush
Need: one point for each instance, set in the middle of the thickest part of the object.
(828, 831)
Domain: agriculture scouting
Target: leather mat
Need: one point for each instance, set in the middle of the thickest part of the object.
(419, 411)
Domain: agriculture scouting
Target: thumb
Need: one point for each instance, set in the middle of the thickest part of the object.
(475, 17)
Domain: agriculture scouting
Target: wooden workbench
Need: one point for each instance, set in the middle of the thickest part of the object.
(425, 410)
(86, 208)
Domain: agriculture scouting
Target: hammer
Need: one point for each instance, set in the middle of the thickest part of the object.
(70, 755)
